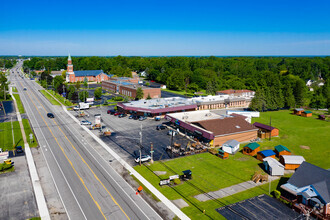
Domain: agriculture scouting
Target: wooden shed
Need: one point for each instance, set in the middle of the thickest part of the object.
(223, 154)
(282, 150)
(266, 131)
(261, 155)
(298, 111)
(251, 149)
(307, 114)
(291, 162)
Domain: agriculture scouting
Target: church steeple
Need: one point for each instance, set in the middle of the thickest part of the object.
(70, 66)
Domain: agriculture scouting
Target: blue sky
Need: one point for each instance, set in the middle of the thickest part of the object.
(151, 28)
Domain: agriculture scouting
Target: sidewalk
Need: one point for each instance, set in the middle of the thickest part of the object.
(158, 194)
(231, 190)
(40, 198)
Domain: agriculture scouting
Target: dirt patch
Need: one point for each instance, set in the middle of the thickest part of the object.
(160, 173)
(305, 147)
(284, 136)
(242, 159)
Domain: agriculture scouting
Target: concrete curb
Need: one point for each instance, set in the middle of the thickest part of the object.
(40, 198)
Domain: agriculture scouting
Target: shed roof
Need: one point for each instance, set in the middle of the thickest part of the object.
(231, 143)
(252, 146)
(309, 174)
(307, 112)
(272, 162)
(226, 126)
(267, 153)
(263, 126)
(281, 148)
(88, 72)
(293, 159)
(299, 109)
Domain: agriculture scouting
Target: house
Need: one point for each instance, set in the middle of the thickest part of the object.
(223, 154)
(298, 111)
(282, 150)
(308, 189)
(251, 149)
(306, 114)
(273, 167)
(266, 131)
(265, 153)
(291, 162)
(231, 146)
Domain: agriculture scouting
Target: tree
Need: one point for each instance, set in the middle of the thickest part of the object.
(83, 95)
(299, 92)
(85, 82)
(3, 86)
(139, 93)
(258, 103)
(57, 82)
(289, 100)
(77, 85)
(71, 93)
(98, 93)
(148, 97)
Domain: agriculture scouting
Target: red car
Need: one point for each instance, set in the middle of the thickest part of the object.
(117, 113)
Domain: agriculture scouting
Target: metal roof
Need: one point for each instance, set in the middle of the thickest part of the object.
(267, 153)
(263, 126)
(293, 159)
(281, 148)
(253, 145)
(307, 112)
(273, 162)
(299, 109)
(231, 143)
(88, 72)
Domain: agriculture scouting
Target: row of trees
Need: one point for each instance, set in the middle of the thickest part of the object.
(279, 81)
(4, 95)
(7, 62)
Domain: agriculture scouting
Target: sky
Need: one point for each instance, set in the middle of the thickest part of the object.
(165, 28)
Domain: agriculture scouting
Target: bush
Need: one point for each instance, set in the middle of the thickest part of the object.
(277, 194)
(4, 166)
(176, 181)
(118, 98)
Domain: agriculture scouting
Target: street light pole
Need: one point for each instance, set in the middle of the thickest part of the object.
(140, 144)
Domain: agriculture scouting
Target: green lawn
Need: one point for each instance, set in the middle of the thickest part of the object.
(296, 132)
(6, 137)
(14, 89)
(28, 131)
(61, 99)
(49, 97)
(19, 103)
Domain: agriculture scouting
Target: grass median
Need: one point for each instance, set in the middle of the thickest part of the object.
(14, 89)
(28, 131)
(19, 103)
(49, 97)
(7, 142)
(63, 100)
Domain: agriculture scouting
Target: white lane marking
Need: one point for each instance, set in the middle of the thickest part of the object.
(59, 168)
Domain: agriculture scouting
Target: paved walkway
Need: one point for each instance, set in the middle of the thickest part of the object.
(231, 190)
(158, 194)
(40, 198)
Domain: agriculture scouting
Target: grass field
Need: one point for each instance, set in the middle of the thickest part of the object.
(298, 133)
(211, 173)
(14, 89)
(28, 131)
(49, 97)
(19, 103)
(61, 99)
(6, 137)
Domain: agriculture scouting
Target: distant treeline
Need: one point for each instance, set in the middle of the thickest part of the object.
(7, 62)
(279, 81)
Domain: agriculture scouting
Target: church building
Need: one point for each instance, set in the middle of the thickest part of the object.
(79, 76)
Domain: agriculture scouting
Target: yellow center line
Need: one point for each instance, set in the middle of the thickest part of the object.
(96, 203)
(113, 199)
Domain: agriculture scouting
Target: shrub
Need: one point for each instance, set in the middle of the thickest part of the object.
(277, 194)
(118, 98)
(176, 181)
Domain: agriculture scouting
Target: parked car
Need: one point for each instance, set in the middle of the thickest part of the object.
(86, 122)
(161, 127)
(50, 115)
(142, 118)
(19, 149)
(157, 118)
(116, 113)
(144, 158)
(24, 89)
(135, 117)
(122, 115)
(131, 117)
(171, 131)
(111, 112)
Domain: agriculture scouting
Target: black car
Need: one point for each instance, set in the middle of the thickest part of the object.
(161, 127)
(19, 149)
(135, 117)
(111, 112)
(122, 115)
(50, 115)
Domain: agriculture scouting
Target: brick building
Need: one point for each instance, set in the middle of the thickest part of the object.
(233, 92)
(79, 76)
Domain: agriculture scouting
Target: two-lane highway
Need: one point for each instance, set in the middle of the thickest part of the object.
(88, 187)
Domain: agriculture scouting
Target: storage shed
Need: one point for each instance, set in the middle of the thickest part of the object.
(223, 154)
(251, 149)
(307, 114)
(291, 162)
(265, 131)
(231, 146)
(264, 154)
(298, 111)
(282, 150)
(273, 167)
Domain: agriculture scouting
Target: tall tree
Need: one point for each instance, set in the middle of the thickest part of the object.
(299, 92)
(98, 93)
(139, 93)
(258, 103)
(289, 100)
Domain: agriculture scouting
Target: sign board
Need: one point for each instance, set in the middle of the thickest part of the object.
(174, 177)
(31, 136)
(90, 100)
(97, 119)
(164, 182)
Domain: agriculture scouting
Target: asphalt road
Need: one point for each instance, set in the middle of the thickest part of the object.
(88, 186)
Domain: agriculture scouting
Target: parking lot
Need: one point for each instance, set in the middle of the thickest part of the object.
(125, 135)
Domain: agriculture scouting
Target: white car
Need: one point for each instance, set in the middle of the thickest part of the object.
(76, 108)
(86, 122)
(144, 158)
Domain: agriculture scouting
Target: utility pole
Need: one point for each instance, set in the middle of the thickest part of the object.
(140, 144)
(152, 152)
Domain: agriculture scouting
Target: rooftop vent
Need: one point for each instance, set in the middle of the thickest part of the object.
(237, 126)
